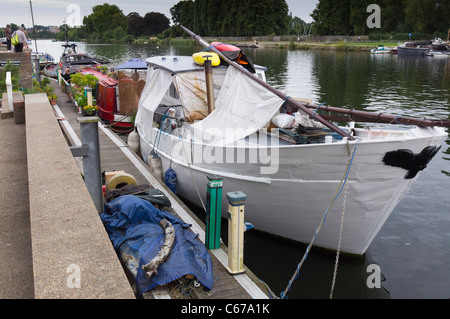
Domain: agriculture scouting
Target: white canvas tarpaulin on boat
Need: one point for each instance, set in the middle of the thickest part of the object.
(158, 82)
(191, 87)
(242, 108)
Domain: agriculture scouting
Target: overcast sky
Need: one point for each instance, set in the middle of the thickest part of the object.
(53, 12)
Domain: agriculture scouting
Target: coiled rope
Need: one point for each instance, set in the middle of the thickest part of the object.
(342, 183)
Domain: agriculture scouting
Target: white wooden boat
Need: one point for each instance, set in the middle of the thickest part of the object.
(289, 186)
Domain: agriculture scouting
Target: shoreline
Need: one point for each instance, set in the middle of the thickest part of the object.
(329, 45)
(340, 46)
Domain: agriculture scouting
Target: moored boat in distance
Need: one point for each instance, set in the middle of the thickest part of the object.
(73, 60)
(44, 58)
(118, 96)
(439, 49)
(419, 48)
(381, 49)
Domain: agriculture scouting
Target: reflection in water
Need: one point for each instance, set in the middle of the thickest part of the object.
(280, 259)
(274, 261)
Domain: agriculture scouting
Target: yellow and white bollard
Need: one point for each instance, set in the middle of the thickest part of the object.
(236, 228)
(88, 92)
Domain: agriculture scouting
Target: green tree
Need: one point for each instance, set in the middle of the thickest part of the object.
(119, 33)
(358, 16)
(428, 16)
(403, 16)
(108, 35)
(332, 17)
(105, 17)
(155, 23)
(232, 17)
(135, 24)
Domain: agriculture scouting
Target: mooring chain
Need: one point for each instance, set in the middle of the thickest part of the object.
(341, 228)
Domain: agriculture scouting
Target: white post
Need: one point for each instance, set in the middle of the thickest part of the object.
(9, 91)
(236, 228)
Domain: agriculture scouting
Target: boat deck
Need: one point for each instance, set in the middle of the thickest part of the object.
(117, 156)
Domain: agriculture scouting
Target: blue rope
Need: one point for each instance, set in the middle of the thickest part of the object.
(283, 293)
(212, 46)
(315, 111)
(285, 102)
(158, 134)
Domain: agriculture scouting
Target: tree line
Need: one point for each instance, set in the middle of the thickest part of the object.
(348, 17)
(233, 18)
(213, 18)
(108, 23)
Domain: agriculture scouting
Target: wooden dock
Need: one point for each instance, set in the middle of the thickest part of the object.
(117, 156)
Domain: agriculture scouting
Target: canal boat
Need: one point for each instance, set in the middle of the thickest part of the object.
(301, 172)
(44, 58)
(117, 97)
(420, 48)
(73, 60)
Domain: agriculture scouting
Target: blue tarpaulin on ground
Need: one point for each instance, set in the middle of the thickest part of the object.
(133, 226)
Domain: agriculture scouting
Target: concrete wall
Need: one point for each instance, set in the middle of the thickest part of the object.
(26, 72)
(72, 254)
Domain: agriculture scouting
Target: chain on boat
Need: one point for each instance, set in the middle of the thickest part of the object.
(342, 185)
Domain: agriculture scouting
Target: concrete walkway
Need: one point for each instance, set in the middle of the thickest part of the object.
(52, 242)
(16, 268)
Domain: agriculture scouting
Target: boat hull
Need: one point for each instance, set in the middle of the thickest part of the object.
(412, 51)
(293, 201)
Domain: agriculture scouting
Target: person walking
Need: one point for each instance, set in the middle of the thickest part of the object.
(66, 77)
(22, 40)
(8, 37)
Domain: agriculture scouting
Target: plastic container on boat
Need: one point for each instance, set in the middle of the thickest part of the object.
(200, 58)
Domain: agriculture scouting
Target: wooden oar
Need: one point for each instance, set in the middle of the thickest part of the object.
(364, 116)
(283, 96)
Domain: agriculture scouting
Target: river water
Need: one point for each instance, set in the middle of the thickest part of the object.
(412, 250)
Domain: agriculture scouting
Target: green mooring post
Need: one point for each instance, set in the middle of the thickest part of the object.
(213, 212)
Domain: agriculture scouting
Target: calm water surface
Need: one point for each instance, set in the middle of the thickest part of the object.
(413, 247)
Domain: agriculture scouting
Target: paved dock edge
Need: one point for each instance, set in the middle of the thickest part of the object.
(72, 254)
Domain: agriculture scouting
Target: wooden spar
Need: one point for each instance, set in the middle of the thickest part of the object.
(209, 84)
(281, 95)
(379, 117)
